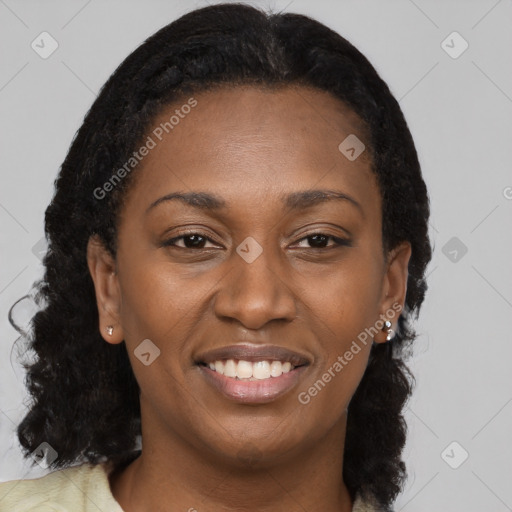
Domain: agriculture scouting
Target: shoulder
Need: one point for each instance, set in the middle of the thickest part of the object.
(83, 488)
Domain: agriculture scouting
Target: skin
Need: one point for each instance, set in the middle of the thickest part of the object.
(249, 146)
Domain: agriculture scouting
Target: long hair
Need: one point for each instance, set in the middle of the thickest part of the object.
(83, 393)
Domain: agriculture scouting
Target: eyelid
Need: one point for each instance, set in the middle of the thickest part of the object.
(338, 241)
(323, 228)
(183, 234)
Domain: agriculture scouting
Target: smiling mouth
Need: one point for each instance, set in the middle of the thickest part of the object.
(253, 374)
(259, 381)
(251, 370)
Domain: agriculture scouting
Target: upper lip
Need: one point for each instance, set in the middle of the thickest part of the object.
(253, 353)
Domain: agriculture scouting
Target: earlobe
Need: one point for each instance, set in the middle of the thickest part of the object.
(102, 268)
(394, 289)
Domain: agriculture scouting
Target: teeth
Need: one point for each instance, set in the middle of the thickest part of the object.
(219, 367)
(258, 370)
(230, 368)
(276, 368)
(261, 370)
(243, 370)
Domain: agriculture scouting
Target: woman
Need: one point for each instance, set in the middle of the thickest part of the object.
(237, 247)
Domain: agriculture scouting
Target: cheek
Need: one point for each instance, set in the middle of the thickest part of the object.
(339, 309)
(328, 393)
(341, 360)
(344, 301)
(157, 304)
(155, 299)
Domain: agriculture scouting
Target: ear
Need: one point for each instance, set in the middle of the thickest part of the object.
(394, 287)
(102, 267)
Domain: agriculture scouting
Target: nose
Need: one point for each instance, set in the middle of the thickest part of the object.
(256, 293)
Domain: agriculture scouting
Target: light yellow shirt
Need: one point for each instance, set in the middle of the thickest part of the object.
(83, 488)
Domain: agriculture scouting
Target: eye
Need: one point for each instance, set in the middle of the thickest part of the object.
(190, 241)
(319, 241)
(195, 240)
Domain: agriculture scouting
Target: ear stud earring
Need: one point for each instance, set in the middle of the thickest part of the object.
(110, 330)
(387, 327)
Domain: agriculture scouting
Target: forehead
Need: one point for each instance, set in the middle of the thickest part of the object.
(247, 142)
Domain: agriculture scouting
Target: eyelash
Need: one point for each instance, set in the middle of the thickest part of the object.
(338, 242)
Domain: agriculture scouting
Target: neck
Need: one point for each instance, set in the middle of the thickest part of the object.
(171, 475)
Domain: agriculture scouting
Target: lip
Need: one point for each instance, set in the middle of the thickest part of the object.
(255, 391)
(253, 353)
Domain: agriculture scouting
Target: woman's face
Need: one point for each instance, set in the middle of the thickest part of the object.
(261, 262)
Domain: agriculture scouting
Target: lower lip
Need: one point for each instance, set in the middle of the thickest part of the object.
(253, 391)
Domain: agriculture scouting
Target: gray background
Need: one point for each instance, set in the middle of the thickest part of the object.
(460, 114)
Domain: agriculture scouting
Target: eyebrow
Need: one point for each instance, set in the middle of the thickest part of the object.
(202, 200)
(294, 201)
(309, 198)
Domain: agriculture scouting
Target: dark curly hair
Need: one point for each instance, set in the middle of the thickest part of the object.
(84, 396)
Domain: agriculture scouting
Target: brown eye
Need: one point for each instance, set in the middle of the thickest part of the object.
(320, 241)
(190, 241)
